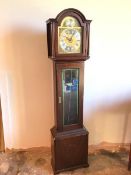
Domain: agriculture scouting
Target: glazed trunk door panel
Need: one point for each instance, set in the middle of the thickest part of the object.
(70, 96)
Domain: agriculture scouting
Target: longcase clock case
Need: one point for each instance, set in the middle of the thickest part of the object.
(68, 47)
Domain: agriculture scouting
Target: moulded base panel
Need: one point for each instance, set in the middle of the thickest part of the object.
(69, 149)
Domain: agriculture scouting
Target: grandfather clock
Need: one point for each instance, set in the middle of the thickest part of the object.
(68, 47)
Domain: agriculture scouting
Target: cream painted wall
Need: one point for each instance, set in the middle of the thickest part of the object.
(26, 86)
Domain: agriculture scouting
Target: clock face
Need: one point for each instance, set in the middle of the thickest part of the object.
(69, 36)
(70, 40)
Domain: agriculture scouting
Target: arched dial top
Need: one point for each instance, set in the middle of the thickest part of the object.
(69, 21)
(69, 36)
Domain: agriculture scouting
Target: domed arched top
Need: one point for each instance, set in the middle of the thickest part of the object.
(71, 12)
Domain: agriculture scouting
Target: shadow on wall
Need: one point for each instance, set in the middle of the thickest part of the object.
(31, 74)
(110, 122)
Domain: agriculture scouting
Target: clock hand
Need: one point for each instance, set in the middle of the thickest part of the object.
(72, 35)
(69, 39)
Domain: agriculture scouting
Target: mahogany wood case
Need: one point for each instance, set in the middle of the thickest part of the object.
(69, 138)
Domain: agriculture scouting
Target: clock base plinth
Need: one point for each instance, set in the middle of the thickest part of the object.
(69, 149)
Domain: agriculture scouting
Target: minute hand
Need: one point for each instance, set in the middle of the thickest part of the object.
(72, 35)
(70, 38)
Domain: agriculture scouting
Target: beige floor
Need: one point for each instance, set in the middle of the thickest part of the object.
(36, 161)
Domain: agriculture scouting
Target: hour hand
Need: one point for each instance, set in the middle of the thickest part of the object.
(69, 39)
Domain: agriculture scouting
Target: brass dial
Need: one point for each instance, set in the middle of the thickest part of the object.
(70, 40)
(69, 36)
